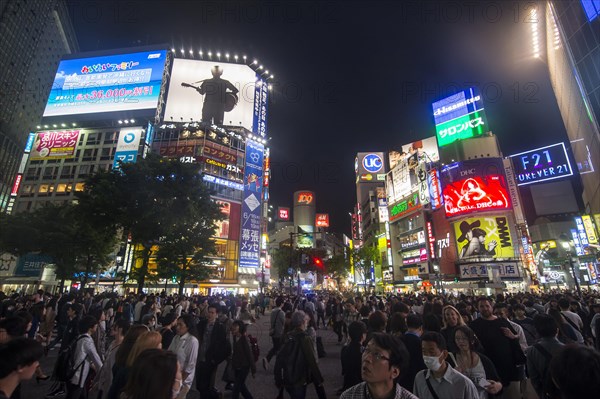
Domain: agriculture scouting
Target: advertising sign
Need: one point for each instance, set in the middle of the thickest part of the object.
(228, 209)
(542, 164)
(322, 220)
(456, 105)
(474, 185)
(383, 210)
(127, 146)
(30, 141)
(304, 198)
(124, 82)
(259, 120)
(590, 229)
(435, 189)
(368, 165)
(250, 233)
(176, 151)
(283, 214)
(479, 271)
(223, 182)
(426, 150)
(513, 191)
(214, 92)
(401, 182)
(582, 233)
(54, 145)
(31, 265)
(484, 237)
(404, 207)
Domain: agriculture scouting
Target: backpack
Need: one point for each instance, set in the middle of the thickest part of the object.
(65, 367)
(290, 366)
(254, 346)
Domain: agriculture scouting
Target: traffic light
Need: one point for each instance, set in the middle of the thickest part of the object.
(318, 262)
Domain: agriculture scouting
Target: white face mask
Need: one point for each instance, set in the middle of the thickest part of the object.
(432, 362)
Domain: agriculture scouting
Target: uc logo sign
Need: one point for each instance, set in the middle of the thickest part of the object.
(129, 137)
(372, 163)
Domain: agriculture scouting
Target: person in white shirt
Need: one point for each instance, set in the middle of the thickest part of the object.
(573, 318)
(137, 312)
(85, 357)
(185, 345)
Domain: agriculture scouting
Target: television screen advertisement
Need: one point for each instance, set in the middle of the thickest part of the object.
(484, 237)
(459, 116)
(251, 206)
(54, 145)
(542, 164)
(123, 82)
(474, 186)
(214, 92)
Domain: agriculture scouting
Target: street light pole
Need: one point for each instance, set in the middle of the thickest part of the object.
(569, 254)
(568, 247)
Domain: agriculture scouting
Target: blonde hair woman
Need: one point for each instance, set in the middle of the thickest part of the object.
(450, 321)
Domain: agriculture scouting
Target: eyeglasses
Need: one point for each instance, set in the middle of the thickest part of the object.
(376, 355)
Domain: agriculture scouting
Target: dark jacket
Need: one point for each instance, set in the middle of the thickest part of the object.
(415, 362)
(311, 373)
(220, 347)
(242, 356)
(538, 362)
(351, 358)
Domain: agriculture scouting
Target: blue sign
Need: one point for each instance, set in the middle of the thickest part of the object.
(223, 182)
(457, 105)
(251, 205)
(31, 265)
(30, 140)
(542, 164)
(259, 115)
(123, 82)
(372, 163)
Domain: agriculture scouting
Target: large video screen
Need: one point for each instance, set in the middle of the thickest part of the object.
(215, 92)
(484, 237)
(124, 82)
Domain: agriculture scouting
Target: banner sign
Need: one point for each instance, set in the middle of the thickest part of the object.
(479, 271)
(474, 185)
(253, 185)
(542, 164)
(322, 220)
(259, 121)
(176, 151)
(459, 116)
(590, 229)
(404, 207)
(283, 214)
(127, 146)
(31, 265)
(216, 151)
(484, 237)
(55, 145)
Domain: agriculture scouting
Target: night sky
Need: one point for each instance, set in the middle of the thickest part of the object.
(352, 76)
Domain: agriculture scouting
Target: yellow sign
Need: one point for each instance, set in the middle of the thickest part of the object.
(590, 229)
(484, 237)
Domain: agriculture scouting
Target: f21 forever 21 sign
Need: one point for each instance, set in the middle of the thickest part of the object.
(542, 164)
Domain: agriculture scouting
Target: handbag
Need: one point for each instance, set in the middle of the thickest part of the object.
(228, 372)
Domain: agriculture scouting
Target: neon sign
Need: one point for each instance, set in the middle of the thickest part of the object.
(542, 164)
(305, 198)
(404, 207)
(283, 213)
(476, 194)
(322, 220)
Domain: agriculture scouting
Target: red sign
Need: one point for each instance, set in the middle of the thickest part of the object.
(434, 189)
(322, 220)
(15, 188)
(305, 198)
(283, 213)
(476, 194)
(431, 240)
(355, 227)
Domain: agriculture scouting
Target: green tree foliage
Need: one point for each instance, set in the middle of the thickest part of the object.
(157, 201)
(338, 267)
(363, 259)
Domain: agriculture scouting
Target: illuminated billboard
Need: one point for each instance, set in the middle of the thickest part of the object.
(369, 167)
(322, 220)
(124, 82)
(218, 93)
(474, 186)
(54, 145)
(127, 146)
(459, 116)
(283, 214)
(542, 164)
(484, 237)
(251, 205)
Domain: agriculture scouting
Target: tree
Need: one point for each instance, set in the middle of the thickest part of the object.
(363, 259)
(338, 267)
(155, 200)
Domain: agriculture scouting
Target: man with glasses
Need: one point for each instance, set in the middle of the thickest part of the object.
(383, 361)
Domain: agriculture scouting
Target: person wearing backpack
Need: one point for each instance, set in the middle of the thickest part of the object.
(541, 353)
(296, 364)
(85, 356)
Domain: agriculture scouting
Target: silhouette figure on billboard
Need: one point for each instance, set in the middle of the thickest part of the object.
(220, 96)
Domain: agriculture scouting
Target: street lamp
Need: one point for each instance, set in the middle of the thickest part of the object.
(568, 247)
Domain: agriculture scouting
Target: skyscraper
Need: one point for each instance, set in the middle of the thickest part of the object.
(33, 37)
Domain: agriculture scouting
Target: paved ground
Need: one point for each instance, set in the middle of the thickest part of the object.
(262, 387)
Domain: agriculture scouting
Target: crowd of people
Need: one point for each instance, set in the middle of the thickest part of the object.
(514, 346)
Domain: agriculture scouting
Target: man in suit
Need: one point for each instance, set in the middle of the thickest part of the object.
(412, 341)
(213, 349)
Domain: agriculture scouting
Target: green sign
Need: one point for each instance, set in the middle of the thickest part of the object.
(463, 127)
(405, 206)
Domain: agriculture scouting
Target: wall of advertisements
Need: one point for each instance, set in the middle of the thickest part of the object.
(474, 186)
(198, 93)
(123, 82)
(459, 116)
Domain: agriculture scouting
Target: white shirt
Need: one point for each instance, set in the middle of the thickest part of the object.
(186, 349)
(85, 354)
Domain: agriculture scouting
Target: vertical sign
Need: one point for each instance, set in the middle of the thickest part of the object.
(578, 248)
(590, 229)
(127, 146)
(435, 189)
(253, 184)
(581, 231)
(260, 108)
(513, 191)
